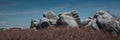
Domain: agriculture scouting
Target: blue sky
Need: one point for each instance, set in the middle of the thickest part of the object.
(18, 13)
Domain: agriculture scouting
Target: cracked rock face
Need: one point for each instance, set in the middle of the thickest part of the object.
(103, 16)
(103, 20)
(69, 20)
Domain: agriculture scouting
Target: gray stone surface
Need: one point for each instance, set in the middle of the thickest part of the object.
(69, 20)
(106, 21)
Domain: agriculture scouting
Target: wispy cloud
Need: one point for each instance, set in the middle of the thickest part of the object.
(3, 22)
(21, 12)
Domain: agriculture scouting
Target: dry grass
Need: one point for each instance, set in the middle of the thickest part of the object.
(56, 33)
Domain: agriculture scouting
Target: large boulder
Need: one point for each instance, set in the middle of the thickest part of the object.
(102, 18)
(50, 15)
(107, 22)
(49, 19)
(73, 14)
(69, 20)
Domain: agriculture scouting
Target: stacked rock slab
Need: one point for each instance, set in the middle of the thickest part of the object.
(76, 17)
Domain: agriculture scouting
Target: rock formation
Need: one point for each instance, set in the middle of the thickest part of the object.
(105, 21)
(50, 19)
(101, 20)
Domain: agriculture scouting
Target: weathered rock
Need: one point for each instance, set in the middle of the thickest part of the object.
(49, 19)
(75, 15)
(44, 22)
(106, 21)
(69, 20)
(92, 23)
(50, 15)
(103, 18)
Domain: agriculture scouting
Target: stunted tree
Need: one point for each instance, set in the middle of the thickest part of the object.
(33, 23)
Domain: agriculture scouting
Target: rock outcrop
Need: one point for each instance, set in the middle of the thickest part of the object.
(50, 19)
(101, 20)
(105, 21)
